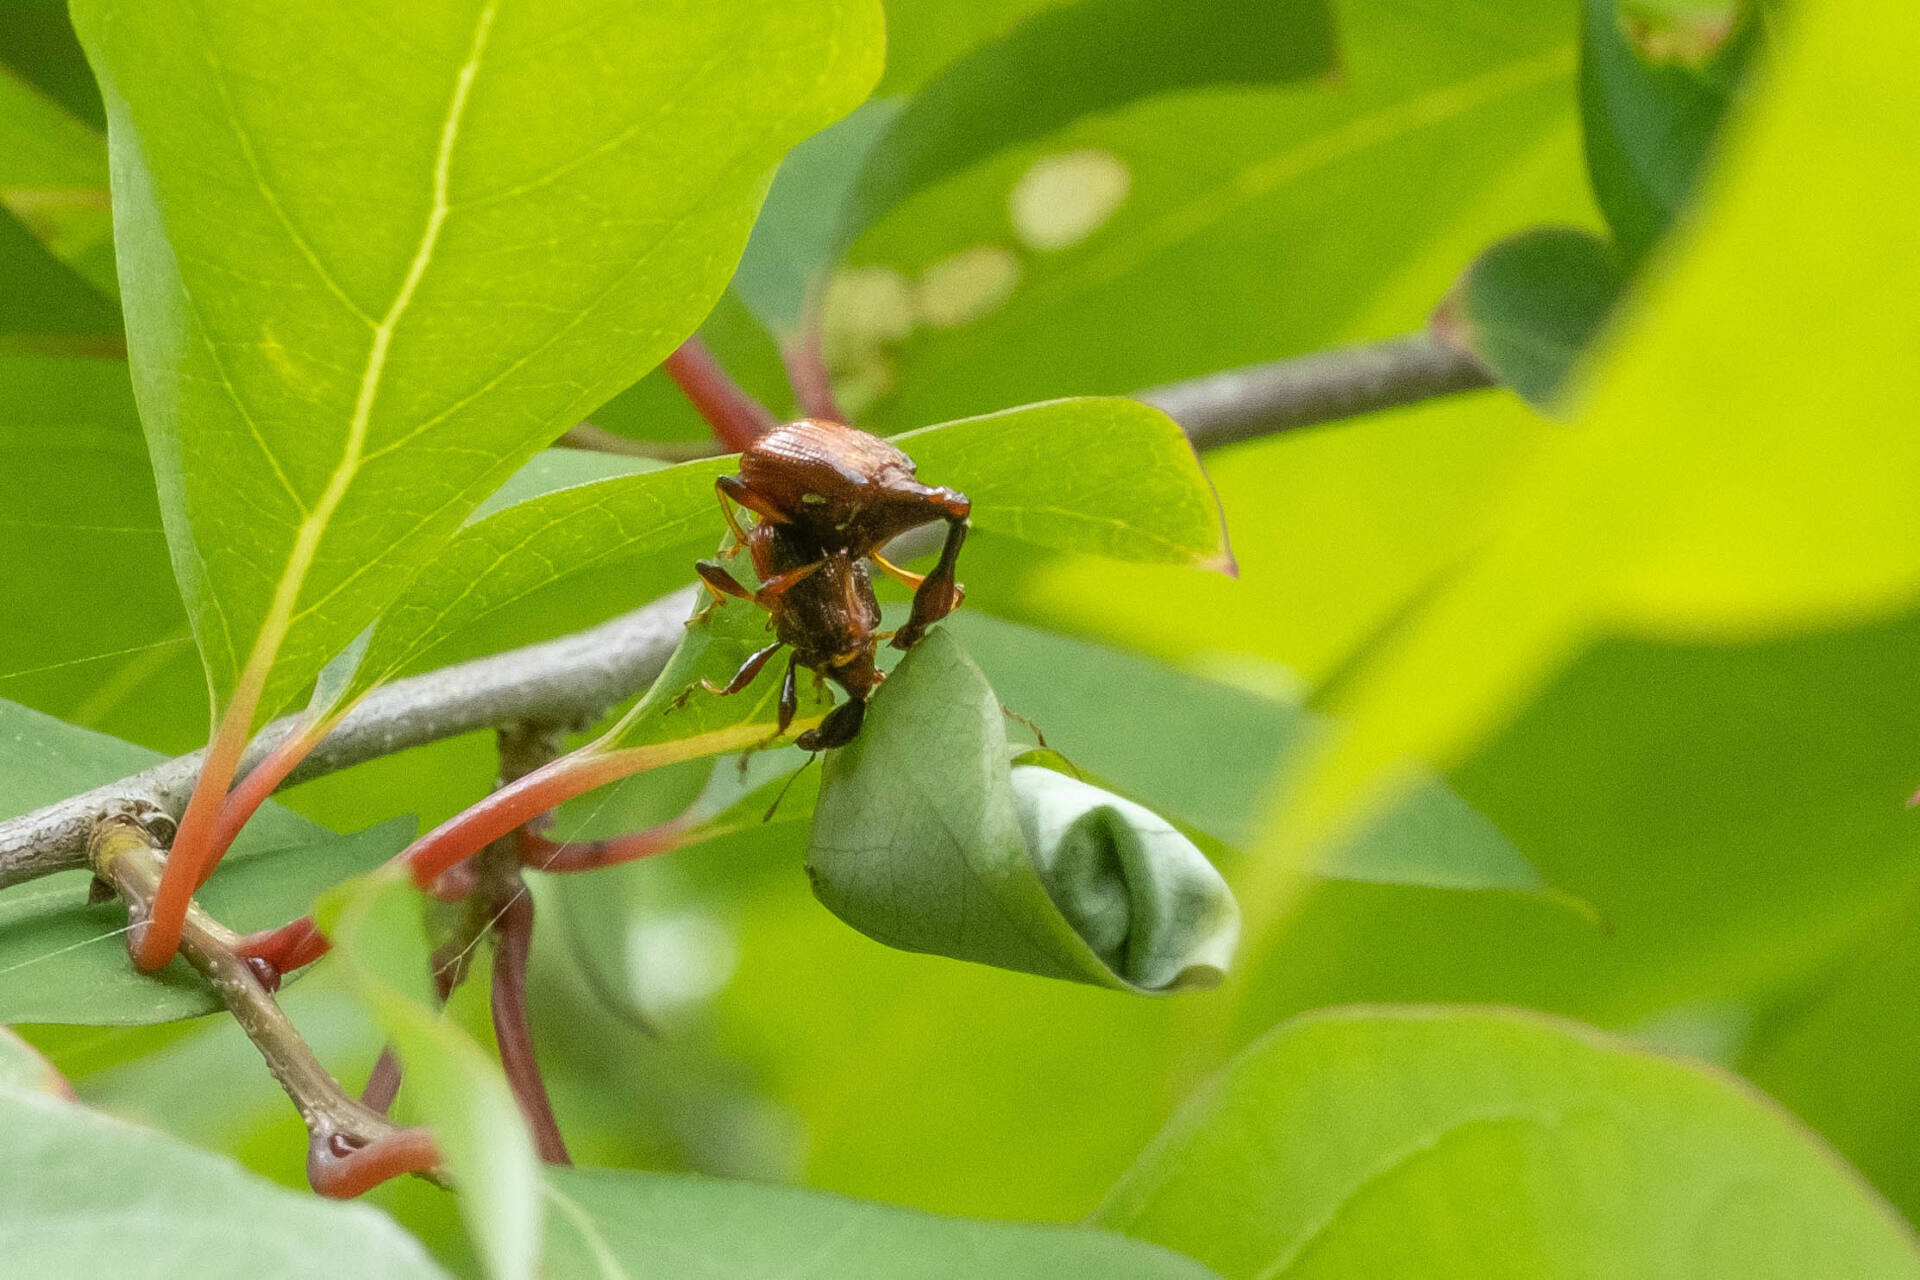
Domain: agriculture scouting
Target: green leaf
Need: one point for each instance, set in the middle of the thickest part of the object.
(53, 173)
(369, 276)
(77, 506)
(608, 1222)
(64, 961)
(923, 840)
(799, 235)
(1079, 60)
(1694, 502)
(1841, 1054)
(380, 940)
(1254, 224)
(1654, 88)
(648, 528)
(1435, 1142)
(84, 1195)
(1529, 307)
(23, 1070)
(1109, 476)
(47, 307)
(1120, 479)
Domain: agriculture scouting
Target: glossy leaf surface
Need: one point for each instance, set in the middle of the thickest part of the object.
(376, 259)
(83, 1195)
(608, 1222)
(1439, 1143)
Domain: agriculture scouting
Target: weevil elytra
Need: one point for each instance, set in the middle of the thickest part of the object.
(829, 497)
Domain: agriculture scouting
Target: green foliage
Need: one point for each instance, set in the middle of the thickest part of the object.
(608, 1222)
(923, 839)
(1694, 501)
(1530, 306)
(1654, 89)
(340, 353)
(1464, 1143)
(63, 960)
(375, 926)
(84, 1195)
(22, 1068)
(1079, 60)
(1609, 717)
(77, 493)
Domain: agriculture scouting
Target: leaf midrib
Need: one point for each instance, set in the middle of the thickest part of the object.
(313, 527)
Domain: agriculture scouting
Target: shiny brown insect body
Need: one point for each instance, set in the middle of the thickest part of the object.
(828, 498)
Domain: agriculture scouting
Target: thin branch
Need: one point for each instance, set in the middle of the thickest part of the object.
(572, 680)
(577, 678)
(351, 1146)
(1285, 395)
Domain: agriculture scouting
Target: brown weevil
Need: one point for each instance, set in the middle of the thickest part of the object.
(829, 497)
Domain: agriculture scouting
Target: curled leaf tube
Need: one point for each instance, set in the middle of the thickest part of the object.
(926, 837)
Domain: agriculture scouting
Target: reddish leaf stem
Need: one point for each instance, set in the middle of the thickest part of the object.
(261, 782)
(513, 941)
(340, 1170)
(195, 851)
(806, 366)
(541, 854)
(735, 416)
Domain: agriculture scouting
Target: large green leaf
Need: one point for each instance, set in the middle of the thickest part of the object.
(1065, 62)
(1112, 477)
(77, 506)
(1431, 1143)
(1655, 85)
(607, 1222)
(1695, 501)
(62, 960)
(83, 1195)
(23, 1069)
(53, 173)
(375, 259)
(46, 306)
(377, 932)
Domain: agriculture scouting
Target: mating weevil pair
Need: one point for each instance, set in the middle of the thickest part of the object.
(829, 497)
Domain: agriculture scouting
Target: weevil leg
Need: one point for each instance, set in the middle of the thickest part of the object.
(781, 583)
(840, 727)
(789, 699)
(741, 492)
(720, 582)
(744, 676)
(939, 594)
(789, 707)
(905, 577)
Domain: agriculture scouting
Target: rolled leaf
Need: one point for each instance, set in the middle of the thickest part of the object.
(1140, 894)
(927, 839)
